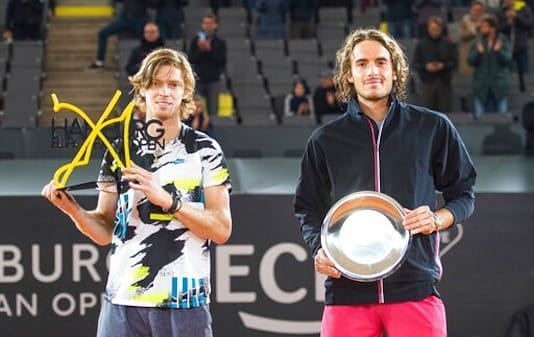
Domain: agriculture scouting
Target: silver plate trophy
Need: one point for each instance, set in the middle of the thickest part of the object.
(363, 235)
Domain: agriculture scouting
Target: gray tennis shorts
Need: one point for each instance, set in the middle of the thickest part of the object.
(125, 321)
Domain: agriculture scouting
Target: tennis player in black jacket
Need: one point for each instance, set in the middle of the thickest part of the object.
(405, 151)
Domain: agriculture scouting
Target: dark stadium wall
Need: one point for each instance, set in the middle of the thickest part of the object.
(270, 141)
(52, 278)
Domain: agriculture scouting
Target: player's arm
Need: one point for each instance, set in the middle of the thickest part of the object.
(96, 224)
(213, 222)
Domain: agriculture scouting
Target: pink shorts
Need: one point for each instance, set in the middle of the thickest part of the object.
(425, 318)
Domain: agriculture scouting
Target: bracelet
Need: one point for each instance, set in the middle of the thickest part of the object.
(176, 204)
(438, 222)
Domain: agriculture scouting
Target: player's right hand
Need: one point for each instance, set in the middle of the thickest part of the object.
(324, 265)
(60, 198)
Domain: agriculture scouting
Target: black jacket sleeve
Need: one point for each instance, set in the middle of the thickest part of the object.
(10, 8)
(134, 61)
(474, 58)
(217, 54)
(194, 51)
(419, 62)
(524, 18)
(312, 195)
(208, 64)
(454, 173)
(451, 60)
(319, 101)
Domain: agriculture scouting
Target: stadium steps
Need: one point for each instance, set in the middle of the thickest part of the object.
(70, 47)
(83, 8)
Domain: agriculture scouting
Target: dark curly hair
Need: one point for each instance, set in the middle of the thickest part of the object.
(401, 69)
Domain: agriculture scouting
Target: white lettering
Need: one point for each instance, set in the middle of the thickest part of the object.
(58, 264)
(267, 273)
(89, 263)
(20, 303)
(71, 304)
(87, 300)
(4, 306)
(225, 271)
(13, 263)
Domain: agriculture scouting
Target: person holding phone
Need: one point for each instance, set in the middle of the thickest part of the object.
(207, 54)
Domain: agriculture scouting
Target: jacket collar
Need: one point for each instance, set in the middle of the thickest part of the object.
(354, 111)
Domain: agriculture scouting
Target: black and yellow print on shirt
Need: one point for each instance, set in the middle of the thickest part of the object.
(152, 252)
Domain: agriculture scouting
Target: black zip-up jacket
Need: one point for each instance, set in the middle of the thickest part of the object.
(519, 31)
(416, 152)
(208, 65)
(138, 54)
(23, 13)
(134, 9)
(435, 50)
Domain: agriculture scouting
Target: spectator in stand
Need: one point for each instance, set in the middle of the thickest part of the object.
(207, 54)
(460, 3)
(132, 19)
(23, 20)
(468, 33)
(52, 7)
(435, 60)
(215, 4)
(272, 19)
(364, 5)
(515, 19)
(302, 15)
(492, 6)
(491, 58)
(426, 9)
(325, 99)
(169, 17)
(151, 40)
(299, 102)
(399, 17)
(250, 4)
(199, 119)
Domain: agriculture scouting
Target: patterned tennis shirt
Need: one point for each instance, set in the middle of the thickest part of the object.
(155, 260)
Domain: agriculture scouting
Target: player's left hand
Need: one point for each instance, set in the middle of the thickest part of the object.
(419, 220)
(142, 180)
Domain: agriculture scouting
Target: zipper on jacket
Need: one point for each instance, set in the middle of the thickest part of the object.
(376, 159)
(437, 259)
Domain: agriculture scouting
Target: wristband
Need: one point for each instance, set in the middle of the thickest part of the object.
(438, 222)
(176, 204)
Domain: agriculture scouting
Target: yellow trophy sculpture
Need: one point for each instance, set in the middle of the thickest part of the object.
(83, 155)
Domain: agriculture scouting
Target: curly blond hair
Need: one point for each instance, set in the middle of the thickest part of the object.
(144, 78)
(344, 57)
